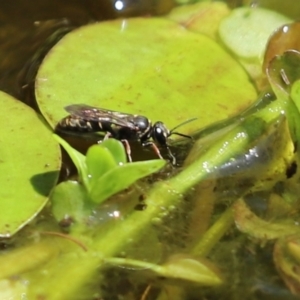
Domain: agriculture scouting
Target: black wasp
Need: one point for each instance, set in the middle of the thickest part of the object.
(121, 126)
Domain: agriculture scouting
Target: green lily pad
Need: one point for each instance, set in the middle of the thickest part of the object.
(147, 66)
(290, 8)
(202, 17)
(246, 31)
(29, 164)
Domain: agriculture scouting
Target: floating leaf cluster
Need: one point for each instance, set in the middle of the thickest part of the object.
(232, 206)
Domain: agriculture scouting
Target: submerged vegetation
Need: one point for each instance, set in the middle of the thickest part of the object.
(221, 224)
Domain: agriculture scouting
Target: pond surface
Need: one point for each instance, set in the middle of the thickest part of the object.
(27, 31)
(25, 26)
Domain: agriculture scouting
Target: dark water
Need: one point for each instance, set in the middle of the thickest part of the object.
(29, 27)
(28, 30)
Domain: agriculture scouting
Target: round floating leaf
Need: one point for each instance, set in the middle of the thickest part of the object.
(246, 30)
(203, 17)
(29, 164)
(290, 8)
(147, 66)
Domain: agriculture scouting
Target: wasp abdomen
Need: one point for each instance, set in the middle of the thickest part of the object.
(78, 124)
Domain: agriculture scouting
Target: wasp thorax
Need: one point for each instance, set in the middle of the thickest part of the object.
(142, 123)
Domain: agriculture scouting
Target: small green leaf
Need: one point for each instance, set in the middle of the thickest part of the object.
(188, 268)
(99, 160)
(122, 177)
(179, 267)
(77, 158)
(117, 149)
(69, 200)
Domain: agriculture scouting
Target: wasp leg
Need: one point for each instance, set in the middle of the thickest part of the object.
(107, 136)
(127, 149)
(154, 147)
(156, 150)
(172, 157)
(125, 143)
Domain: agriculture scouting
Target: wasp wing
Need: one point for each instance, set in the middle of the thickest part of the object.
(96, 114)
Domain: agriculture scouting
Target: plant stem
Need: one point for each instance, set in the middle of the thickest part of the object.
(214, 233)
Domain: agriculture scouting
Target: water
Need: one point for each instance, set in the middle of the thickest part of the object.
(26, 26)
(27, 31)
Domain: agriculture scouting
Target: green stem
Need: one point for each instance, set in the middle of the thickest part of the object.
(214, 234)
(27, 258)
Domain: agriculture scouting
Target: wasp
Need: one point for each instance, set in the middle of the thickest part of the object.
(121, 126)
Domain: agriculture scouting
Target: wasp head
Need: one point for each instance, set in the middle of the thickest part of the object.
(160, 133)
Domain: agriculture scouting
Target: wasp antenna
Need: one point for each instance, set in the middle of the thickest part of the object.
(181, 124)
(181, 134)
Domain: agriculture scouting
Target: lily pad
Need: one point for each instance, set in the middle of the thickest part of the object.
(246, 31)
(202, 17)
(147, 66)
(290, 8)
(29, 164)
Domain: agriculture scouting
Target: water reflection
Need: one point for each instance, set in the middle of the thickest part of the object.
(119, 5)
